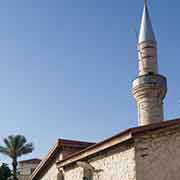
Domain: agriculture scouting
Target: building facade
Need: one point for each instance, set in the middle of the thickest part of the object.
(26, 168)
(142, 153)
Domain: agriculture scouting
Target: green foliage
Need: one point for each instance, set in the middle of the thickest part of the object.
(5, 172)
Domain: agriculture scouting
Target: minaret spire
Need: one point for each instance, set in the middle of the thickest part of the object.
(149, 88)
(146, 29)
(147, 45)
(145, 2)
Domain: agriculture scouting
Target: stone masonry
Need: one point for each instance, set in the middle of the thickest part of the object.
(158, 155)
(151, 155)
(116, 164)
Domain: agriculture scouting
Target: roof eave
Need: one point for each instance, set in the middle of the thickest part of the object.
(125, 136)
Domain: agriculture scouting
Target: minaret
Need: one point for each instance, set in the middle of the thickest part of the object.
(149, 88)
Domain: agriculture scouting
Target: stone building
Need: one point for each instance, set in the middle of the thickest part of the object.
(26, 168)
(47, 170)
(149, 151)
(142, 153)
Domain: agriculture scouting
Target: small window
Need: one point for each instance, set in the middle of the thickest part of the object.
(88, 175)
(87, 178)
(60, 176)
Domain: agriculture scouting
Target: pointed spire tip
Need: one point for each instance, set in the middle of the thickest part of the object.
(145, 2)
(146, 30)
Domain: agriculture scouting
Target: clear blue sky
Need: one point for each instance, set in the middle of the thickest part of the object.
(66, 67)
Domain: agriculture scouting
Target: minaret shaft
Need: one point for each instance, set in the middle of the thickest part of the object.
(147, 55)
(149, 91)
(149, 88)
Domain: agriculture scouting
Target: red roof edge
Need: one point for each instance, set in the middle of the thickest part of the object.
(30, 160)
(74, 143)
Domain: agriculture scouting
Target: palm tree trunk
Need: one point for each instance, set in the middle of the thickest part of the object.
(14, 165)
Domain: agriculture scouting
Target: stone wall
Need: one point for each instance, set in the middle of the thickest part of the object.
(115, 164)
(158, 155)
(27, 168)
(50, 172)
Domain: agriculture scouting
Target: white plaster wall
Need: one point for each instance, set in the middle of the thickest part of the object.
(158, 155)
(116, 164)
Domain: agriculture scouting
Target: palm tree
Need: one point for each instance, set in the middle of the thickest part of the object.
(16, 146)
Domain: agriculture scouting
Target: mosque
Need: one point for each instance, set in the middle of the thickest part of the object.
(149, 151)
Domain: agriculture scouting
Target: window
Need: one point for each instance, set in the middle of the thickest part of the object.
(88, 175)
(87, 178)
(60, 176)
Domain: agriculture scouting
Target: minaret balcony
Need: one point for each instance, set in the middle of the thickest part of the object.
(150, 85)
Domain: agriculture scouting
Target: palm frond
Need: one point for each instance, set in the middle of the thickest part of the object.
(11, 140)
(5, 151)
(7, 143)
(27, 148)
(19, 141)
